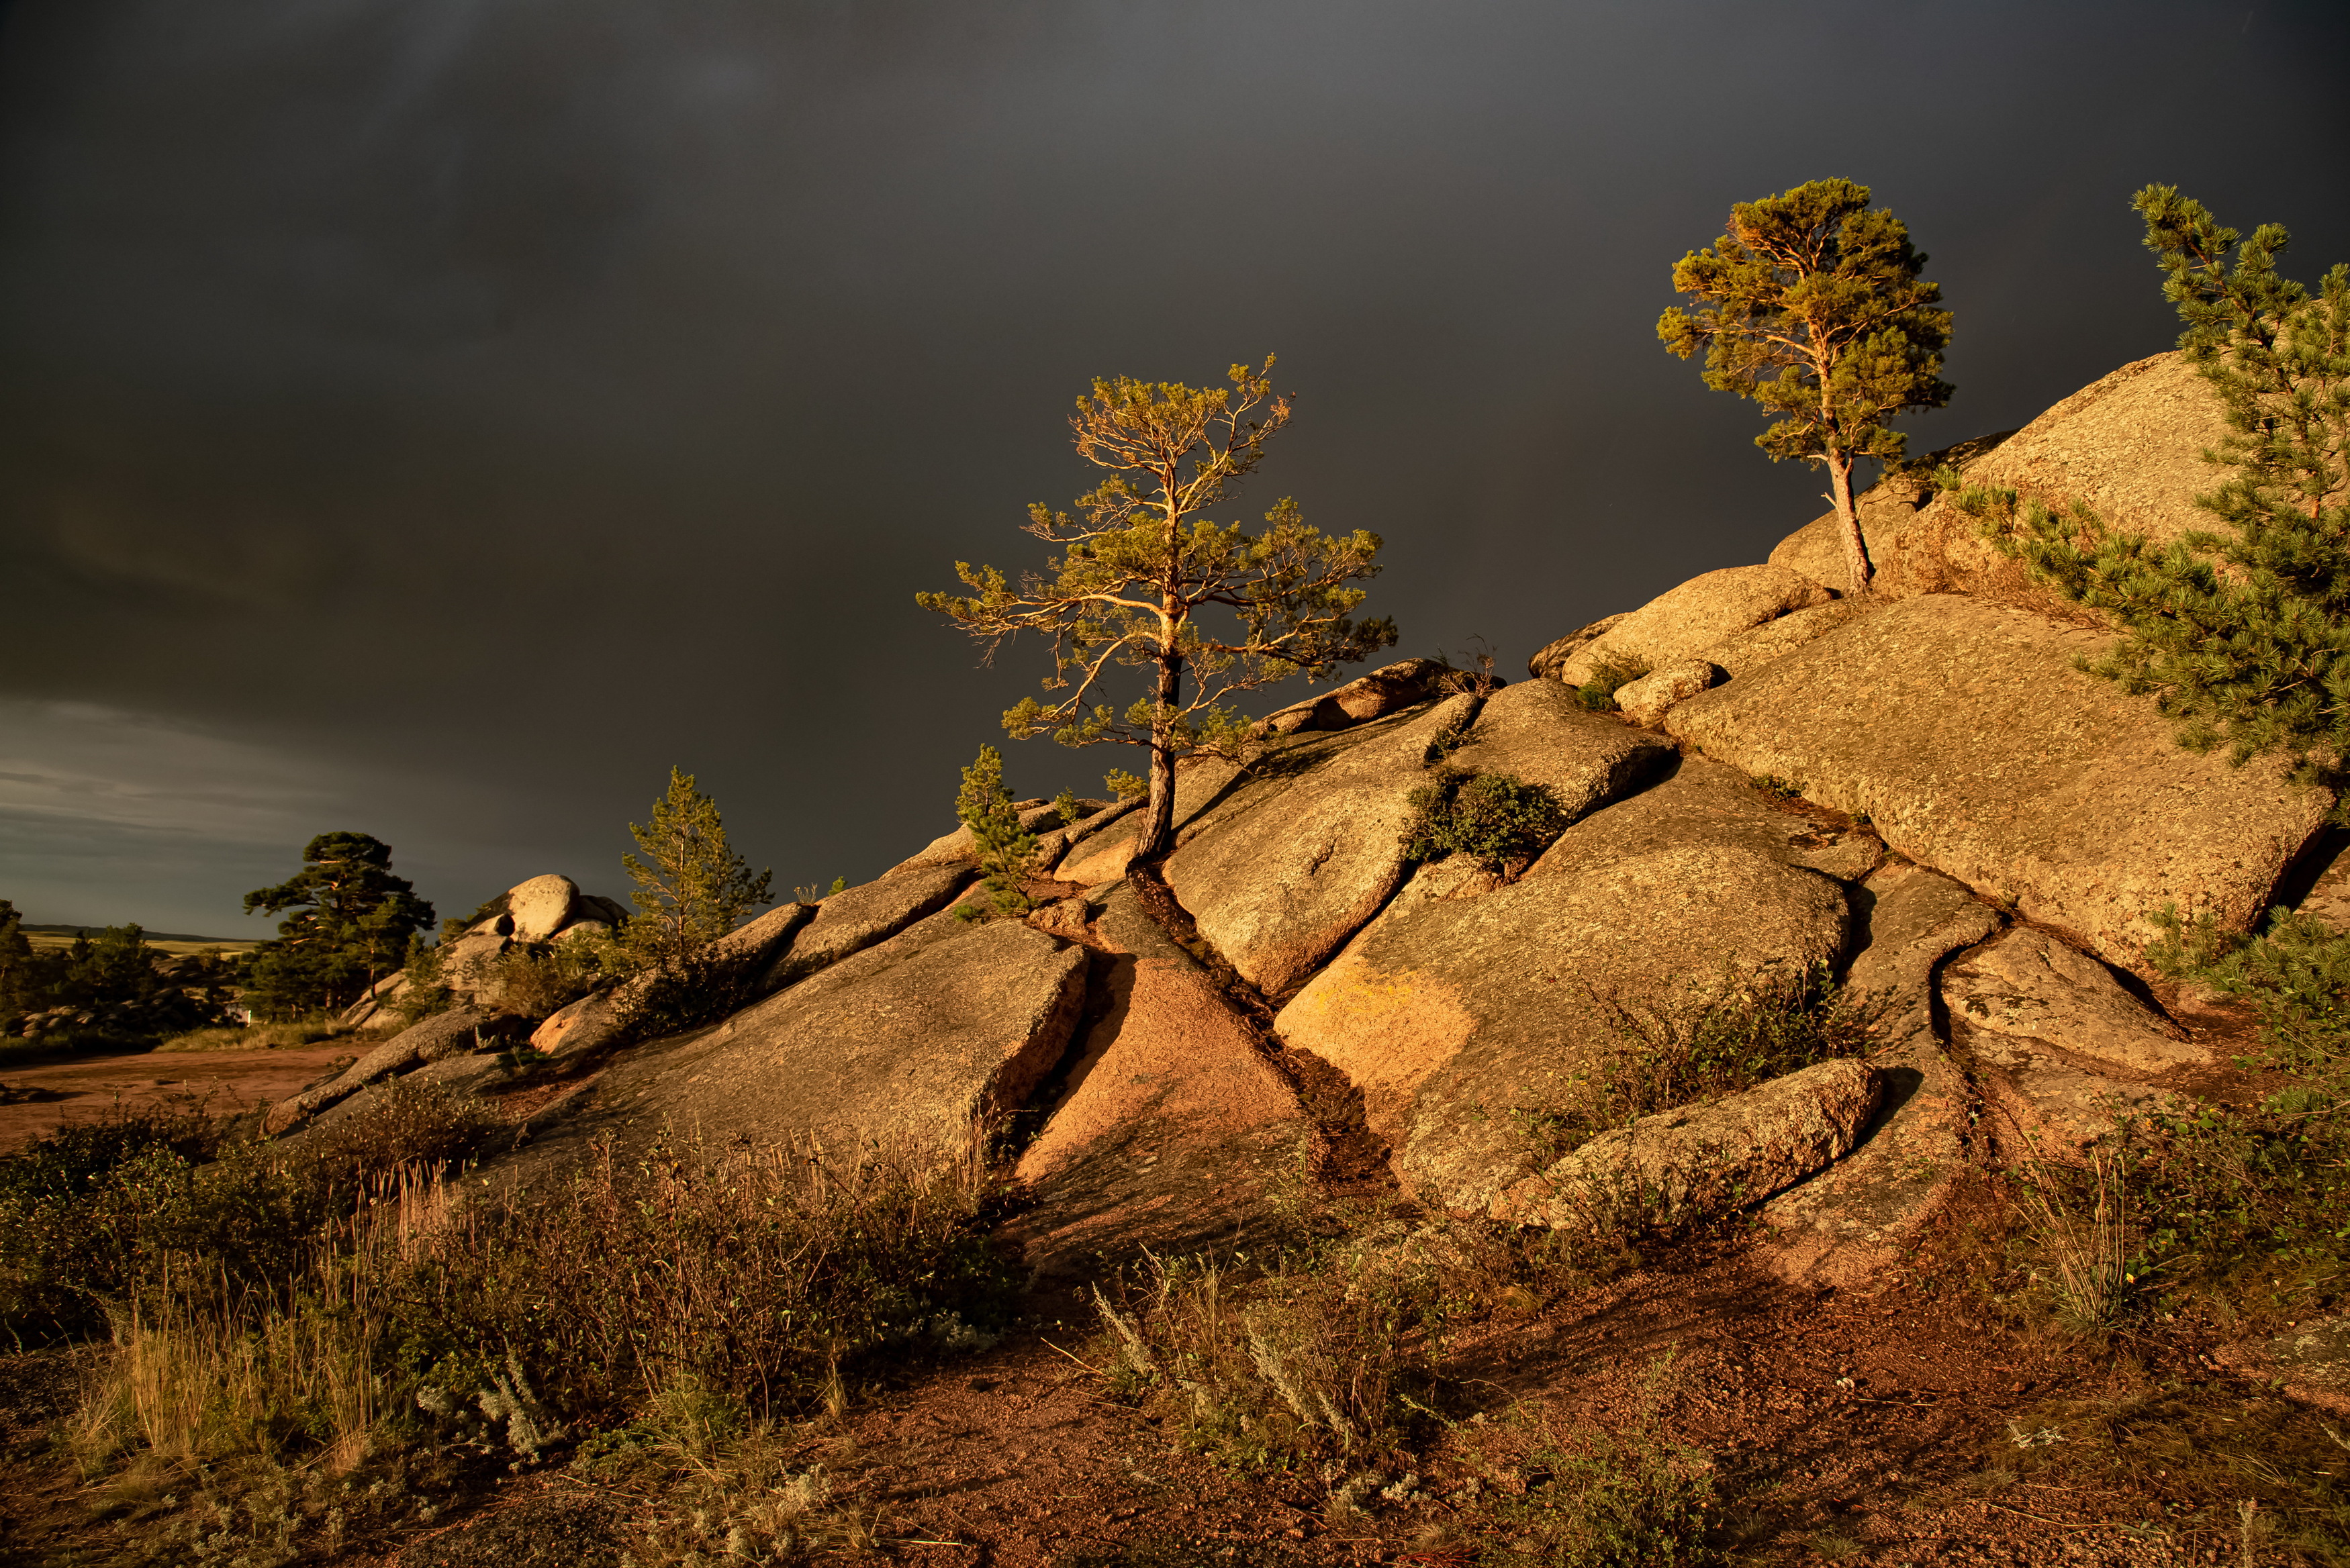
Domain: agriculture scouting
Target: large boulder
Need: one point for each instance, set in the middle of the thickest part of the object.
(1539, 732)
(1450, 1014)
(1278, 877)
(856, 918)
(541, 907)
(751, 946)
(2129, 445)
(1172, 1127)
(458, 1032)
(1963, 731)
(1647, 700)
(1732, 1152)
(1887, 510)
(1055, 843)
(1553, 656)
(467, 961)
(1750, 650)
(1853, 1219)
(2060, 1046)
(2029, 986)
(1403, 684)
(1680, 624)
(923, 1043)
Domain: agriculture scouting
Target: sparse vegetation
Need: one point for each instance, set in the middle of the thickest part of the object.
(288, 1034)
(1325, 1355)
(1712, 1041)
(1629, 1497)
(332, 1308)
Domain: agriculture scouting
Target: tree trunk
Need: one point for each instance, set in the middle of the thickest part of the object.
(1158, 815)
(1856, 549)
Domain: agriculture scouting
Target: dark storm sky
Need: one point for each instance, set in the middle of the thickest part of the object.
(435, 417)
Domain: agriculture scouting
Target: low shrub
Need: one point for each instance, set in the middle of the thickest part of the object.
(1329, 1355)
(756, 1274)
(2245, 1213)
(402, 1123)
(106, 1214)
(1629, 1497)
(1499, 820)
(539, 980)
(2295, 973)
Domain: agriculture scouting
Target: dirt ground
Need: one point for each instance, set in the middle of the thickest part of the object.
(1878, 1427)
(40, 1098)
(1868, 1429)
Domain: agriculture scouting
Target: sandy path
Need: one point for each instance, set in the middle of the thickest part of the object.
(88, 1088)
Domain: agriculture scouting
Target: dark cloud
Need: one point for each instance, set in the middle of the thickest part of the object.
(470, 407)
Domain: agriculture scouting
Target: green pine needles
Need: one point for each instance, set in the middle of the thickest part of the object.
(696, 890)
(1145, 582)
(1006, 851)
(2243, 637)
(1812, 305)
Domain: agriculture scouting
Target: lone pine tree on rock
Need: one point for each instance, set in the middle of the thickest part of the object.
(1140, 568)
(1812, 305)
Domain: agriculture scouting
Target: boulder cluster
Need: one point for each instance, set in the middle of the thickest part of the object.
(1919, 791)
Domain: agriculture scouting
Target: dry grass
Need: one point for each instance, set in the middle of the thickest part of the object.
(2081, 1226)
(263, 1036)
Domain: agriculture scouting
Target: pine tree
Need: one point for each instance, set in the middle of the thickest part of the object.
(696, 890)
(1142, 566)
(1812, 306)
(2243, 637)
(1006, 851)
(352, 923)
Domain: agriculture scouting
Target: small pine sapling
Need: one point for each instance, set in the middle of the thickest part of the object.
(696, 890)
(1006, 849)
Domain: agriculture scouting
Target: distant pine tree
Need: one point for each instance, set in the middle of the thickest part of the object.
(2243, 637)
(351, 923)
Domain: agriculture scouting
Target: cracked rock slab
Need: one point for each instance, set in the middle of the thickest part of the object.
(2028, 987)
(1737, 1150)
(1173, 1130)
(1854, 1220)
(1963, 729)
(1453, 1016)
(1278, 876)
(1681, 623)
(924, 1042)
